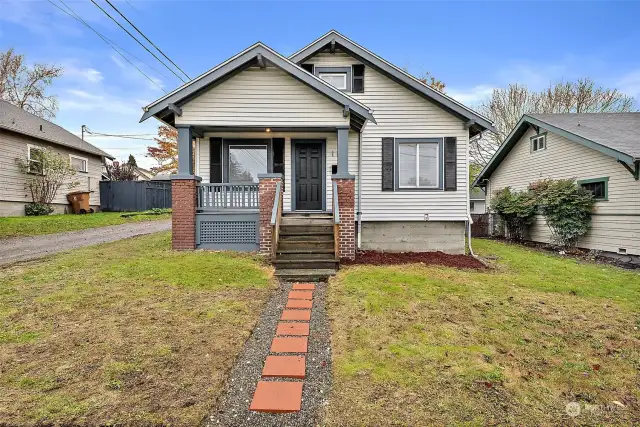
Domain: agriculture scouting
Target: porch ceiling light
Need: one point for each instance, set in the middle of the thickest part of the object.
(268, 130)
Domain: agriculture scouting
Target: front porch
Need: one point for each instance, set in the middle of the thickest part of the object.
(285, 193)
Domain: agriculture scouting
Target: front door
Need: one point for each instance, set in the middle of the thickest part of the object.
(308, 176)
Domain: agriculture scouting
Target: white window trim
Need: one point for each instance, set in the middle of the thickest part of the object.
(538, 138)
(29, 147)
(437, 186)
(343, 75)
(86, 162)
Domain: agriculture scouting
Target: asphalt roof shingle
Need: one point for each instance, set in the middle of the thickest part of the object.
(18, 120)
(618, 131)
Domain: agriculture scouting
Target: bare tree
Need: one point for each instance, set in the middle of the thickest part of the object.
(506, 107)
(26, 86)
(428, 79)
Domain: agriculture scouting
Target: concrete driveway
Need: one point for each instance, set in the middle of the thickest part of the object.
(28, 248)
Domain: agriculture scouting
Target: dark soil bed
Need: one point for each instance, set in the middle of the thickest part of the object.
(429, 258)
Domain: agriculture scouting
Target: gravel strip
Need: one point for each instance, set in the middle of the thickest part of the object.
(28, 248)
(233, 406)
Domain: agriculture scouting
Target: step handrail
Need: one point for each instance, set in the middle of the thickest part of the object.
(276, 216)
(336, 221)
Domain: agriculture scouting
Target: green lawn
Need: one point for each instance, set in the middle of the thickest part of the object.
(124, 333)
(18, 226)
(417, 345)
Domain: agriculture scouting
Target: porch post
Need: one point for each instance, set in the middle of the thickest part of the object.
(184, 194)
(343, 151)
(266, 197)
(346, 185)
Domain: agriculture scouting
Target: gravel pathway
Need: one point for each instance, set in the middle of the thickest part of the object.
(28, 248)
(233, 406)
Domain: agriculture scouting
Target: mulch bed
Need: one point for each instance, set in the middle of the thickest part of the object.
(428, 258)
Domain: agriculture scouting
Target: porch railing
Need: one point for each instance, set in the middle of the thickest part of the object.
(213, 197)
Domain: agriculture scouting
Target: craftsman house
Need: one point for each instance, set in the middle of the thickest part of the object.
(601, 151)
(311, 156)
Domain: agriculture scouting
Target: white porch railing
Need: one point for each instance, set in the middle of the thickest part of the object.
(213, 197)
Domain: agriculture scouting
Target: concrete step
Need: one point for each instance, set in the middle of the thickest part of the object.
(305, 275)
(327, 262)
(305, 244)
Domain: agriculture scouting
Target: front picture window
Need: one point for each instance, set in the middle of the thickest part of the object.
(418, 165)
(246, 162)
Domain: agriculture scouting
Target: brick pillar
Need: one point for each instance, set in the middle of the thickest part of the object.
(184, 194)
(266, 196)
(346, 203)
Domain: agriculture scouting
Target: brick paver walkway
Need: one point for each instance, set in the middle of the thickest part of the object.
(282, 395)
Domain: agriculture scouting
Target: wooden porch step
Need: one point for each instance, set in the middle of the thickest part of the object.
(306, 221)
(306, 263)
(306, 251)
(301, 232)
(305, 244)
(305, 256)
(306, 229)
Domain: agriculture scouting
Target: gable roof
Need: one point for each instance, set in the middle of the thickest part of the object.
(20, 121)
(613, 134)
(477, 193)
(164, 109)
(477, 122)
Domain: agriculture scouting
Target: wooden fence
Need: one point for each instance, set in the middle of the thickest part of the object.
(134, 196)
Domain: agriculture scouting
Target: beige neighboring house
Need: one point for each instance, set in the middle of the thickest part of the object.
(20, 133)
(143, 174)
(477, 201)
(600, 150)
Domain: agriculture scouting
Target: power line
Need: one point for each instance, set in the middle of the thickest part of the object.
(138, 41)
(147, 38)
(111, 44)
(139, 136)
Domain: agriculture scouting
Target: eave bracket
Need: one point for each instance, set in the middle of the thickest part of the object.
(635, 169)
(175, 109)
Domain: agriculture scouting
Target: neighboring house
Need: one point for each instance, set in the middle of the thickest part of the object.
(334, 115)
(143, 174)
(600, 150)
(21, 133)
(477, 202)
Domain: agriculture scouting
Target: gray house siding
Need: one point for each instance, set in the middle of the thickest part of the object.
(13, 193)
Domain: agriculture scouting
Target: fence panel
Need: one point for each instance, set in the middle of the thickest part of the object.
(132, 196)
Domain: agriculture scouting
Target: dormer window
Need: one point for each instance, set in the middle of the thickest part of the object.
(338, 77)
(338, 80)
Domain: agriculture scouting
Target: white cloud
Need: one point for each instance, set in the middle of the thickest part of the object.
(629, 84)
(472, 96)
(89, 75)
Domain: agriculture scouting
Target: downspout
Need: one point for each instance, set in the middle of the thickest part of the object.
(359, 212)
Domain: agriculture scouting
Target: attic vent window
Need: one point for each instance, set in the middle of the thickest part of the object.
(337, 80)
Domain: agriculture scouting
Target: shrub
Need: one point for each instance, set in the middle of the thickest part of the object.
(516, 209)
(37, 209)
(566, 208)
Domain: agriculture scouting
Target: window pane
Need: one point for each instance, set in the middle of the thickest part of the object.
(339, 80)
(428, 156)
(245, 163)
(407, 165)
(79, 164)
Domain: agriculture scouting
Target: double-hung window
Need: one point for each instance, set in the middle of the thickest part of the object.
(35, 155)
(419, 163)
(81, 164)
(539, 143)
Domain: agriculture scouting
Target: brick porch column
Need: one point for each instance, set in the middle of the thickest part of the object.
(346, 203)
(184, 194)
(266, 195)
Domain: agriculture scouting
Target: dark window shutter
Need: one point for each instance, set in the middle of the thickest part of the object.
(278, 155)
(307, 67)
(358, 78)
(215, 148)
(387, 164)
(450, 164)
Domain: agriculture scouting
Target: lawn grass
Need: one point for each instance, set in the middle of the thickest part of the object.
(416, 345)
(20, 226)
(124, 333)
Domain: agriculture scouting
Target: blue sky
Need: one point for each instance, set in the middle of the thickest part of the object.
(472, 46)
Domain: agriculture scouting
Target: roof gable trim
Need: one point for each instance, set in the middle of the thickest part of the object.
(242, 59)
(519, 130)
(391, 70)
